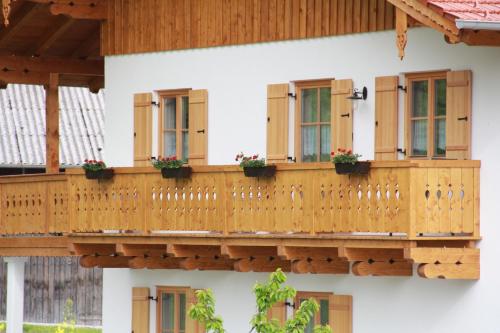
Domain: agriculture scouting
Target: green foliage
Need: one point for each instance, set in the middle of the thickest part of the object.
(250, 161)
(93, 165)
(170, 162)
(344, 156)
(30, 328)
(204, 312)
(267, 294)
(2, 327)
(69, 322)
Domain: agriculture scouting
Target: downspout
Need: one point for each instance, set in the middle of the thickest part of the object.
(478, 25)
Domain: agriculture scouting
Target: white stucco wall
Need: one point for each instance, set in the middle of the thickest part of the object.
(236, 78)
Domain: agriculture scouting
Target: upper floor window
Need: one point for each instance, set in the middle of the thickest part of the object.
(427, 114)
(174, 124)
(172, 309)
(313, 121)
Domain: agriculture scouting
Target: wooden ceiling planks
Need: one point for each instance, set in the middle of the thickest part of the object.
(153, 25)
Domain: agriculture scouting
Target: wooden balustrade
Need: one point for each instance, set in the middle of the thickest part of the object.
(410, 199)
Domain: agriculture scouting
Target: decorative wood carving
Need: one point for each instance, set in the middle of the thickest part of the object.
(6, 11)
(401, 29)
(377, 268)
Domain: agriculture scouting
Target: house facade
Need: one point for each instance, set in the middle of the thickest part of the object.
(398, 249)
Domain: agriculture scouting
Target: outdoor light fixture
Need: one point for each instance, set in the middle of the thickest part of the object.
(357, 95)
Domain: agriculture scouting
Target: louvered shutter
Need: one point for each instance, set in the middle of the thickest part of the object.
(140, 310)
(386, 117)
(143, 113)
(458, 114)
(192, 325)
(198, 127)
(278, 312)
(340, 313)
(277, 123)
(341, 119)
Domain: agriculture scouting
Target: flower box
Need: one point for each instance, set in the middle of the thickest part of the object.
(265, 171)
(99, 174)
(182, 172)
(358, 168)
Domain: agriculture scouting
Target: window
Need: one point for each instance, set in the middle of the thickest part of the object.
(174, 124)
(322, 317)
(313, 121)
(427, 115)
(172, 309)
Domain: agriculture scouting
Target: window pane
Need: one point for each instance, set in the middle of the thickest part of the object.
(310, 325)
(440, 98)
(323, 311)
(419, 96)
(167, 312)
(309, 149)
(309, 105)
(169, 113)
(440, 137)
(185, 145)
(419, 138)
(185, 112)
(169, 142)
(325, 102)
(182, 313)
(325, 143)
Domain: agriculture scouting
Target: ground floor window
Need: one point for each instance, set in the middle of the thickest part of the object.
(172, 309)
(322, 317)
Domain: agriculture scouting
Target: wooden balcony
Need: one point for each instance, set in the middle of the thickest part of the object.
(399, 205)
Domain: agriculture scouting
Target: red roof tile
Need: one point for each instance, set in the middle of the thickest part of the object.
(473, 10)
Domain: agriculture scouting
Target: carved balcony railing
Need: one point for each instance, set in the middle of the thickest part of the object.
(409, 199)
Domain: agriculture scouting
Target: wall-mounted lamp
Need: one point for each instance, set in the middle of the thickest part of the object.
(357, 95)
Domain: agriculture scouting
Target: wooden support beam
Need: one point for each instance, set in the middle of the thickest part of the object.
(78, 9)
(51, 36)
(262, 264)
(204, 263)
(52, 124)
(155, 263)
(302, 252)
(28, 65)
(142, 250)
(192, 251)
(16, 22)
(401, 29)
(361, 254)
(442, 255)
(104, 261)
(320, 266)
(239, 252)
(92, 249)
(397, 268)
(419, 11)
(91, 44)
(481, 37)
(23, 78)
(450, 271)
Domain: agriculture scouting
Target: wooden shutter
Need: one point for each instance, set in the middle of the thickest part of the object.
(198, 127)
(277, 123)
(340, 313)
(278, 311)
(143, 113)
(192, 325)
(140, 310)
(386, 117)
(341, 117)
(458, 114)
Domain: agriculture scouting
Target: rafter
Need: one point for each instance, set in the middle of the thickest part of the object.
(262, 264)
(92, 42)
(320, 266)
(104, 261)
(155, 263)
(204, 263)
(377, 268)
(51, 65)
(16, 22)
(192, 251)
(302, 252)
(367, 254)
(92, 249)
(141, 250)
(51, 36)
(449, 271)
(419, 11)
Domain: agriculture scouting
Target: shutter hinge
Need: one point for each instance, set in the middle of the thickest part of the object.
(155, 103)
(401, 150)
(292, 159)
(292, 95)
(151, 298)
(400, 87)
(292, 305)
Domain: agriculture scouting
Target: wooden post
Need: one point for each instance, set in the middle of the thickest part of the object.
(52, 124)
